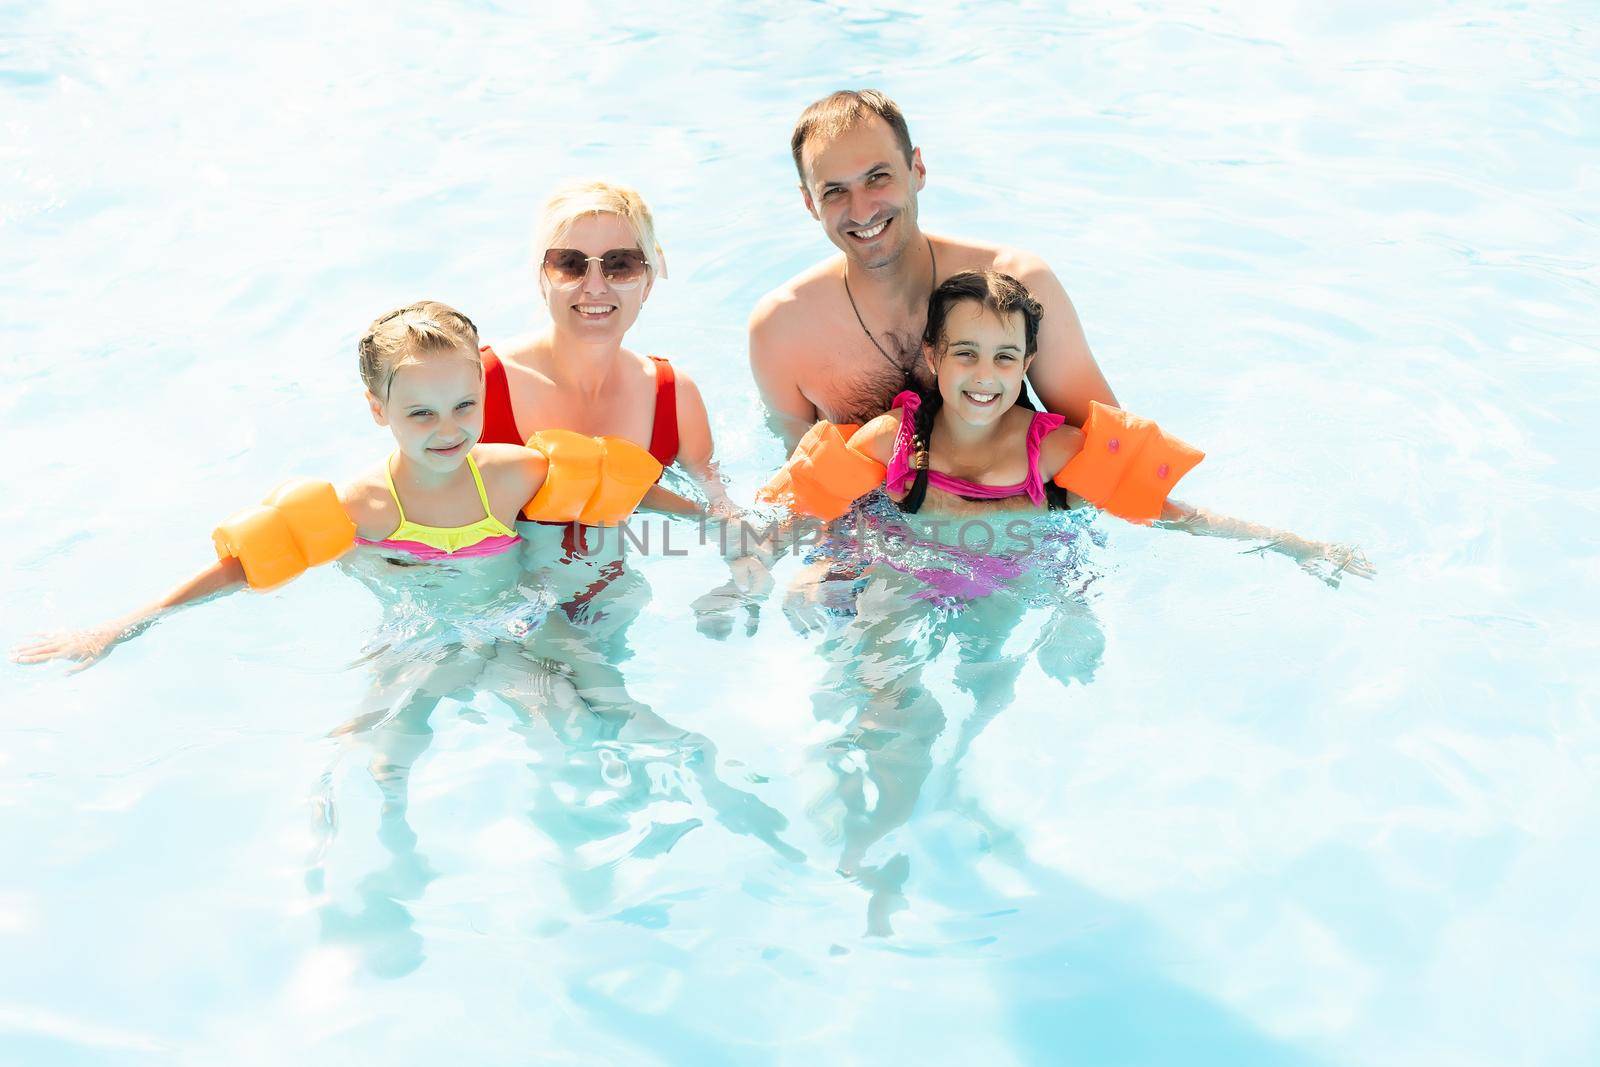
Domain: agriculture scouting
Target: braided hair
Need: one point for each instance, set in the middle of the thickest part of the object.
(996, 292)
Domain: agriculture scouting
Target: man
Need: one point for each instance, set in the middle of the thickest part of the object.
(839, 340)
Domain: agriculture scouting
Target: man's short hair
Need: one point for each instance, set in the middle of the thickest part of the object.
(839, 112)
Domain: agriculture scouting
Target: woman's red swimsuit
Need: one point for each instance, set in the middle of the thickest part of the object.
(500, 423)
(500, 427)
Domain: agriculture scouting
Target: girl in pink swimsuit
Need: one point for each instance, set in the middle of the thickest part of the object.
(974, 454)
(975, 447)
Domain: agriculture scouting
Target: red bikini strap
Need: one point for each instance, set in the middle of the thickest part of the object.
(499, 423)
(664, 434)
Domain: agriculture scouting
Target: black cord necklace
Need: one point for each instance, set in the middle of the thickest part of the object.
(933, 265)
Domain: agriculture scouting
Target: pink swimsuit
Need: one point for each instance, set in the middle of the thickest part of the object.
(975, 574)
(901, 474)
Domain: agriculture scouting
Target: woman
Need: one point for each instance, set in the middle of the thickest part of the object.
(598, 260)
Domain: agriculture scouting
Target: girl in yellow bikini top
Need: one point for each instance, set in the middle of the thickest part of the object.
(424, 380)
(486, 537)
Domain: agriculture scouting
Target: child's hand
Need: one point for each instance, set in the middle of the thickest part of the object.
(714, 611)
(84, 647)
(1333, 560)
(1325, 561)
(752, 574)
(814, 599)
(724, 510)
(750, 582)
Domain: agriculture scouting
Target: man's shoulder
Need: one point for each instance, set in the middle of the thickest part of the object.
(1021, 264)
(965, 254)
(796, 300)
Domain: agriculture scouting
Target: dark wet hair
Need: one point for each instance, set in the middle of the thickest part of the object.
(839, 112)
(1000, 294)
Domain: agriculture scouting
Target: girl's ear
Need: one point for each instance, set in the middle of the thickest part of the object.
(930, 357)
(376, 406)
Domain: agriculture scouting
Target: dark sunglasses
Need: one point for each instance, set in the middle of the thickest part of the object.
(623, 268)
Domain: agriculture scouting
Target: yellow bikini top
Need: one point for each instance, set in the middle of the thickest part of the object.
(448, 539)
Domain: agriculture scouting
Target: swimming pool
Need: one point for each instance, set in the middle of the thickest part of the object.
(1230, 816)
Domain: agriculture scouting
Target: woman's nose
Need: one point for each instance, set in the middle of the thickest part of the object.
(594, 279)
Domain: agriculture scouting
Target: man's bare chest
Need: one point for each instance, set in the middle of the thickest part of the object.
(850, 379)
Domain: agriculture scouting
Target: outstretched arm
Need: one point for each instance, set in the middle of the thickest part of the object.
(1324, 559)
(1066, 443)
(299, 525)
(89, 646)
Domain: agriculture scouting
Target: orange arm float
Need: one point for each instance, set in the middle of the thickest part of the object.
(299, 525)
(825, 475)
(1128, 465)
(597, 481)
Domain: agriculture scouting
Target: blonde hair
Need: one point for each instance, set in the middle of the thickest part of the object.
(572, 202)
(407, 335)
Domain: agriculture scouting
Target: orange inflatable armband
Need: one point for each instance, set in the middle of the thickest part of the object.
(825, 475)
(1128, 465)
(570, 479)
(593, 480)
(627, 475)
(299, 525)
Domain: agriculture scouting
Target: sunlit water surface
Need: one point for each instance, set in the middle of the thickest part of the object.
(1193, 806)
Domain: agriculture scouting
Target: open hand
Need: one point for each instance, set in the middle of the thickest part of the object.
(748, 586)
(1329, 563)
(84, 647)
(714, 611)
(816, 600)
(1325, 561)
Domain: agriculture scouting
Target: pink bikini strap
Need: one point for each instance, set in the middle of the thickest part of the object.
(900, 473)
(1043, 422)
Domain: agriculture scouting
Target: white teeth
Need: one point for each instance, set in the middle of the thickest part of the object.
(981, 398)
(867, 235)
(600, 309)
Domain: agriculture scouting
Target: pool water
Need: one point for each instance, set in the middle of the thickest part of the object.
(1166, 801)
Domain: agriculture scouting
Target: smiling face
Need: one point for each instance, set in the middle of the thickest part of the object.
(980, 362)
(434, 409)
(860, 186)
(594, 311)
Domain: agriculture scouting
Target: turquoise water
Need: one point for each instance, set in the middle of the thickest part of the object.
(1229, 815)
